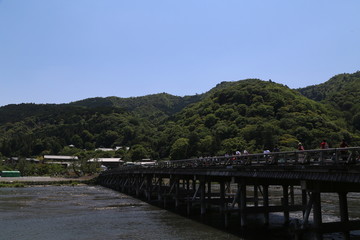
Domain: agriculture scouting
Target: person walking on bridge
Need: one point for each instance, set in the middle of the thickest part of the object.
(300, 147)
(343, 153)
(324, 145)
(343, 144)
(301, 156)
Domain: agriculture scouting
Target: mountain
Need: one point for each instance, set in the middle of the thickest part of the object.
(342, 93)
(155, 106)
(164, 102)
(249, 114)
(253, 115)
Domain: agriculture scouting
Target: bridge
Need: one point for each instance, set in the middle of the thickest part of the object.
(243, 186)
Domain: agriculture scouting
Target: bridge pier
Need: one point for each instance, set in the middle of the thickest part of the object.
(256, 196)
(209, 190)
(223, 204)
(176, 195)
(148, 185)
(304, 200)
(285, 203)
(222, 197)
(202, 197)
(317, 214)
(266, 204)
(344, 212)
(319, 227)
(242, 204)
(159, 188)
(188, 197)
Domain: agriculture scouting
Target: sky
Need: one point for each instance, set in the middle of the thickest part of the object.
(61, 51)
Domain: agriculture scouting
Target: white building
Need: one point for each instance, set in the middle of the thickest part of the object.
(59, 159)
(108, 162)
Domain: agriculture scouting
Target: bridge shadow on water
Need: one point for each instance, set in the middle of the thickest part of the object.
(255, 228)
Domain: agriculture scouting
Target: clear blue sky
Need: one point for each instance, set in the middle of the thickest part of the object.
(58, 51)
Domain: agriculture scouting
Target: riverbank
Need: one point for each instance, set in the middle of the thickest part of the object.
(28, 181)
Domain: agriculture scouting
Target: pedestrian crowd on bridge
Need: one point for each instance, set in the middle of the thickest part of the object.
(323, 145)
(274, 157)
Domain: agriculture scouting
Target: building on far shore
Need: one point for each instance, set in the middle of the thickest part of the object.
(108, 162)
(112, 149)
(59, 159)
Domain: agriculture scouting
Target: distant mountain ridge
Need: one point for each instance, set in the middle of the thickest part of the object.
(248, 114)
(165, 102)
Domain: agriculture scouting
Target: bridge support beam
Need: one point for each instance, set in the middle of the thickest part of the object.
(344, 212)
(209, 190)
(317, 214)
(222, 197)
(194, 184)
(292, 195)
(149, 187)
(266, 204)
(177, 187)
(137, 186)
(159, 188)
(202, 198)
(256, 195)
(188, 197)
(243, 204)
(304, 200)
(285, 203)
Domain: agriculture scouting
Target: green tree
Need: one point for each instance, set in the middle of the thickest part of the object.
(25, 168)
(356, 121)
(179, 149)
(231, 145)
(207, 146)
(210, 120)
(77, 141)
(138, 152)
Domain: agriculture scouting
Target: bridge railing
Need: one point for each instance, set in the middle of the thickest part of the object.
(331, 156)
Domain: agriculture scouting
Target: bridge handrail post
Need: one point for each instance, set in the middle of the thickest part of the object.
(336, 159)
(321, 157)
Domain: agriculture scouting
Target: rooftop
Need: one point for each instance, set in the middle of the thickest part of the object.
(59, 157)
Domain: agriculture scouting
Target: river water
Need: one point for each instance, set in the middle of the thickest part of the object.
(91, 213)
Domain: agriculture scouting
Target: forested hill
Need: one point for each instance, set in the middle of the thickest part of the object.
(146, 105)
(253, 115)
(341, 92)
(248, 114)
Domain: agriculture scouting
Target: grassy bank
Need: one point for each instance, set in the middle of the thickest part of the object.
(56, 182)
(11, 185)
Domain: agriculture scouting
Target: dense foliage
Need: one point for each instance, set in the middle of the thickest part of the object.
(342, 93)
(255, 115)
(249, 114)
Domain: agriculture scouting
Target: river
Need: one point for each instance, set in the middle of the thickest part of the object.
(91, 213)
